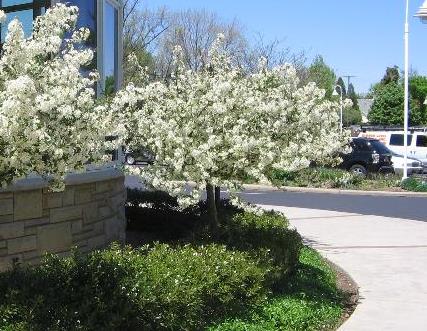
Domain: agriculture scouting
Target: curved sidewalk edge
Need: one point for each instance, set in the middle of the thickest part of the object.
(258, 187)
(385, 256)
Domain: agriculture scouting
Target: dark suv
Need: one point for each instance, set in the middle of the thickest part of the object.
(368, 155)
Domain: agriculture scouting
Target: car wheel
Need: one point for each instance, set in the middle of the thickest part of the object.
(130, 159)
(359, 169)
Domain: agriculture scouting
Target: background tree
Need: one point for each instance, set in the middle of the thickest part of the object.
(352, 115)
(275, 53)
(194, 31)
(340, 82)
(321, 74)
(391, 75)
(387, 108)
(141, 33)
(418, 92)
(388, 105)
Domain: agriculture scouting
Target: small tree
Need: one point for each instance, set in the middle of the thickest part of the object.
(49, 123)
(216, 126)
(321, 74)
(388, 105)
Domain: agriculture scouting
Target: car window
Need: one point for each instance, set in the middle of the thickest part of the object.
(396, 139)
(379, 147)
(421, 141)
(361, 145)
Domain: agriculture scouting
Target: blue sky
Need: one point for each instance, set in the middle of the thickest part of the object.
(355, 37)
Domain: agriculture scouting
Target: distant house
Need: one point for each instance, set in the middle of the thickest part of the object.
(365, 106)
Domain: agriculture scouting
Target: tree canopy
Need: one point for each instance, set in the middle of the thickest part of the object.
(388, 95)
(217, 125)
(321, 74)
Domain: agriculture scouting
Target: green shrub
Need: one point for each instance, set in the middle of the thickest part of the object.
(267, 237)
(311, 301)
(415, 185)
(154, 288)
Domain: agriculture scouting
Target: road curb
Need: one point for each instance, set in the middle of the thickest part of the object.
(255, 187)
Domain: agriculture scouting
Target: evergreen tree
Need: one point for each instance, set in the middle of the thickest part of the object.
(340, 82)
(391, 75)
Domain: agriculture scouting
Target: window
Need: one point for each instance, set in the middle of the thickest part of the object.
(396, 139)
(421, 141)
(87, 19)
(25, 11)
(361, 145)
(379, 147)
(110, 49)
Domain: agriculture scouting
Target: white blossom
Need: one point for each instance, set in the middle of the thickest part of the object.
(2, 16)
(219, 125)
(49, 122)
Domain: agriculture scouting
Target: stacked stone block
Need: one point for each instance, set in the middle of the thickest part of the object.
(33, 222)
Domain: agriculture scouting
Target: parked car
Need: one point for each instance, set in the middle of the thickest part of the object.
(141, 154)
(367, 156)
(417, 142)
(414, 165)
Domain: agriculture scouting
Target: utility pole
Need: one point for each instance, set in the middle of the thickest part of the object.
(348, 79)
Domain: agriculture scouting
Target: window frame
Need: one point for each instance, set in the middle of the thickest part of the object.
(34, 5)
(117, 4)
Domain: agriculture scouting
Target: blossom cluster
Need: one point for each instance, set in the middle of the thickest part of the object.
(50, 123)
(219, 125)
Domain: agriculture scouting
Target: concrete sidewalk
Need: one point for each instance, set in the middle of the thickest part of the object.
(387, 258)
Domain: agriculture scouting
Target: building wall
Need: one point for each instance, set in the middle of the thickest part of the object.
(88, 214)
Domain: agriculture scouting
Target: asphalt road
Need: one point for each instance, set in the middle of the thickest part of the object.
(414, 208)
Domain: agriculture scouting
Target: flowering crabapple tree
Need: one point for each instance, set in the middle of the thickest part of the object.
(218, 125)
(49, 122)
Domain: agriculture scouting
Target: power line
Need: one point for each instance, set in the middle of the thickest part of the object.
(348, 79)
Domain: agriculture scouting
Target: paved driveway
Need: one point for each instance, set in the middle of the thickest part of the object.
(387, 257)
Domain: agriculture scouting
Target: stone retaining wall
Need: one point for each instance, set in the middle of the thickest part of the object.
(88, 215)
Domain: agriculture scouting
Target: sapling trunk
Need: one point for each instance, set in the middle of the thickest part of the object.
(212, 211)
(218, 198)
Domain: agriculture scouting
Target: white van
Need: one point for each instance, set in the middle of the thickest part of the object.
(417, 143)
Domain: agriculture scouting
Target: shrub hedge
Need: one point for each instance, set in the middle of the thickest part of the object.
(267, 237)
(201, 280)
(153, 288)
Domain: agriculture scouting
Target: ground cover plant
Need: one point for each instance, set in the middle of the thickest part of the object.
(253, 274)
(319, 177)
(415, 184)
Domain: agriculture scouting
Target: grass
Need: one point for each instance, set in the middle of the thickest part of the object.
(310, 301)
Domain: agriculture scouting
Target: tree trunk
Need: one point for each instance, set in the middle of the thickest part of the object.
(212, 211)
(218, 198)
